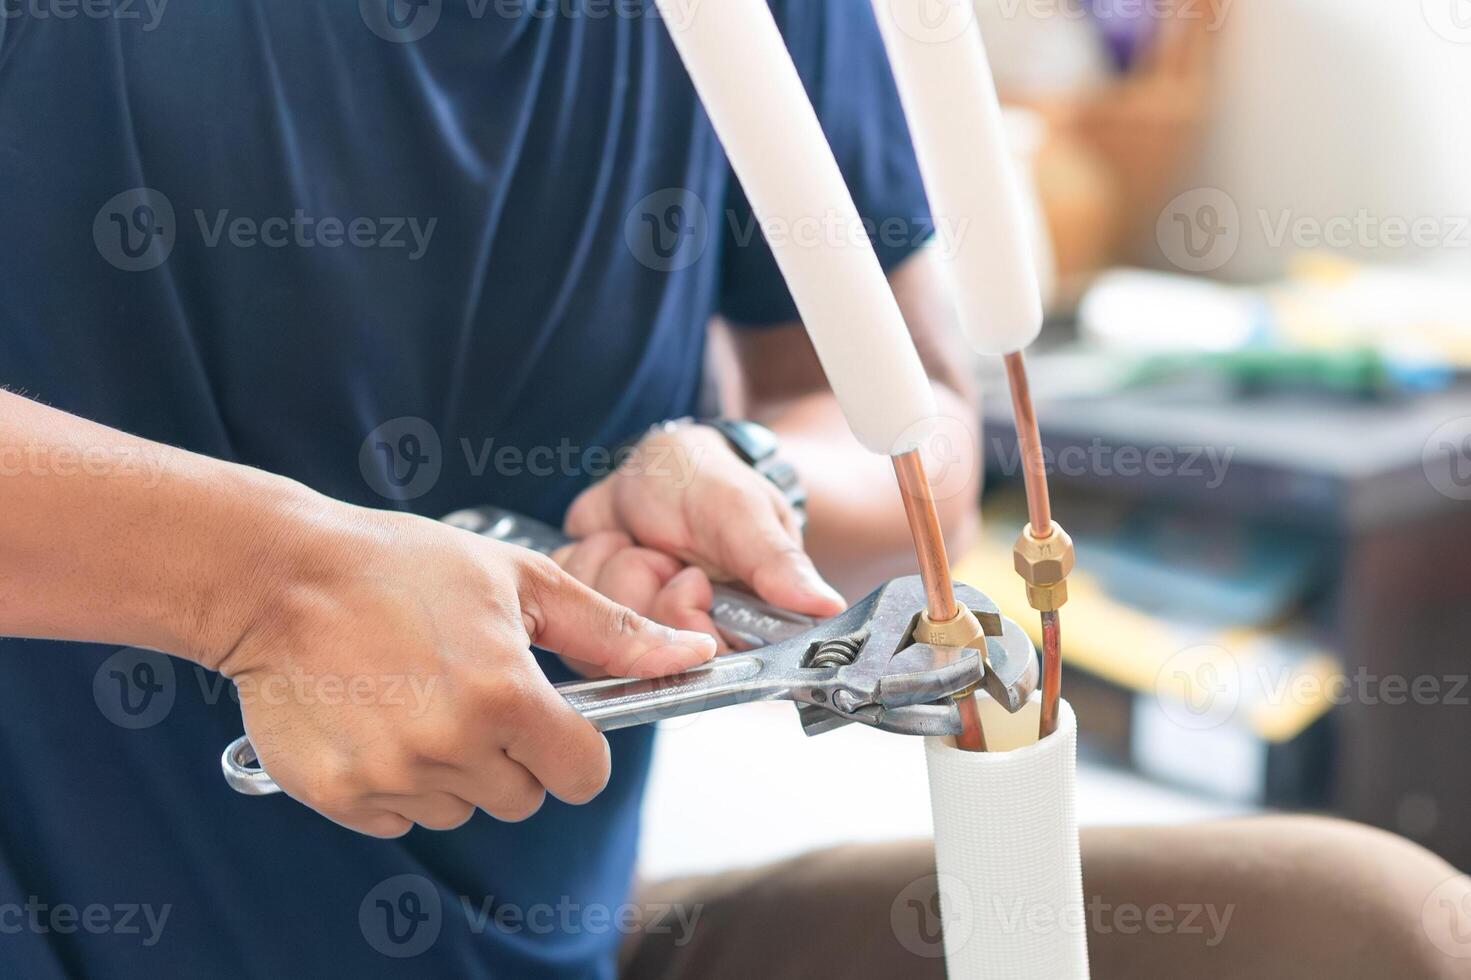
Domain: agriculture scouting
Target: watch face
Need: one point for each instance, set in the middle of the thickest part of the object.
(751, 440)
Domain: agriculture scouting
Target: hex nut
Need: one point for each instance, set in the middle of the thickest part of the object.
(1047, 598)
(1044, 561)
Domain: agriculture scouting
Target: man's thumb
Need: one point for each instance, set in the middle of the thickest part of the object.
(564, 616)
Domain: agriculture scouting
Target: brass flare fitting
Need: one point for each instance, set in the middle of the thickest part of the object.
(1044, 564)
(961, 631)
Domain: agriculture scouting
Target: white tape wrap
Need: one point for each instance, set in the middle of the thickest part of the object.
(1006, 851)
(754, 97)
(955, 122)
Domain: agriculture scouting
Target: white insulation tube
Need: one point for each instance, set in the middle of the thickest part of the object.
(955, 122)
(751, 90)
(1006, 853)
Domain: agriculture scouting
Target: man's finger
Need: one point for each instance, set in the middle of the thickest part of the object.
(560, 749)
(567, 617)
(769, 558)
(685, 602)
(584, 559)
(501, 786)
(591, 512)
(634, 576)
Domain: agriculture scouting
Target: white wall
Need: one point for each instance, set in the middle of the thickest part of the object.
(1325, 108)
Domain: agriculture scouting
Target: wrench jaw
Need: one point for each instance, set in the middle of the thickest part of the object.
(913, 684)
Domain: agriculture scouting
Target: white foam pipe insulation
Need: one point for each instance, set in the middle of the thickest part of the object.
(754, 97)
(955, 122)
(1006, 830)
(1006, 858)
(1006, 838)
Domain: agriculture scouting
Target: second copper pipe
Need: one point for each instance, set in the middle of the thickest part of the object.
(1029, 445)
(1039, 513)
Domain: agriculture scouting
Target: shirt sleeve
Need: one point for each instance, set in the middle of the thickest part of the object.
(840, 57)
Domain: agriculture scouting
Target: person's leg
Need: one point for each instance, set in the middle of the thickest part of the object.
(1274, 897)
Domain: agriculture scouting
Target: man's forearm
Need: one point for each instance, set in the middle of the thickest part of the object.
(110, 538)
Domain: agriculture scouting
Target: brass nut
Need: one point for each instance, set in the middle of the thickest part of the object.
(961, 631)
(1047, 598)
(1044, 561)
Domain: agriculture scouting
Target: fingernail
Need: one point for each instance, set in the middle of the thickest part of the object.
(703, 642)
(814, 584)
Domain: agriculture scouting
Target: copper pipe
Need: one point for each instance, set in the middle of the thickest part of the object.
(1051, 672)
(934, 571)
(972, 737)
(1039, 512)
(929, 540)
(1029, 444)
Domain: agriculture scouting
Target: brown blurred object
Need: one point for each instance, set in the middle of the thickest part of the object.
(1113, 154)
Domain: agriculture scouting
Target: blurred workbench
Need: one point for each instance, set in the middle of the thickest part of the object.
(1388, 597)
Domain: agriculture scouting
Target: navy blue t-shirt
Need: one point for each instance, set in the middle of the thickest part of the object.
(424, 254)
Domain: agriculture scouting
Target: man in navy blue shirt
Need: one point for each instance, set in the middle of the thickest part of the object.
(279, 278)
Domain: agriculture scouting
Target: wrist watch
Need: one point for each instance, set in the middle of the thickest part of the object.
(759, 448)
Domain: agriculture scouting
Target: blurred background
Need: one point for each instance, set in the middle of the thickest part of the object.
(1254, 221)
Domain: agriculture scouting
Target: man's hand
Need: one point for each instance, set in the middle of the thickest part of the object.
(386, 676)
(646, 581)
(688, 495)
